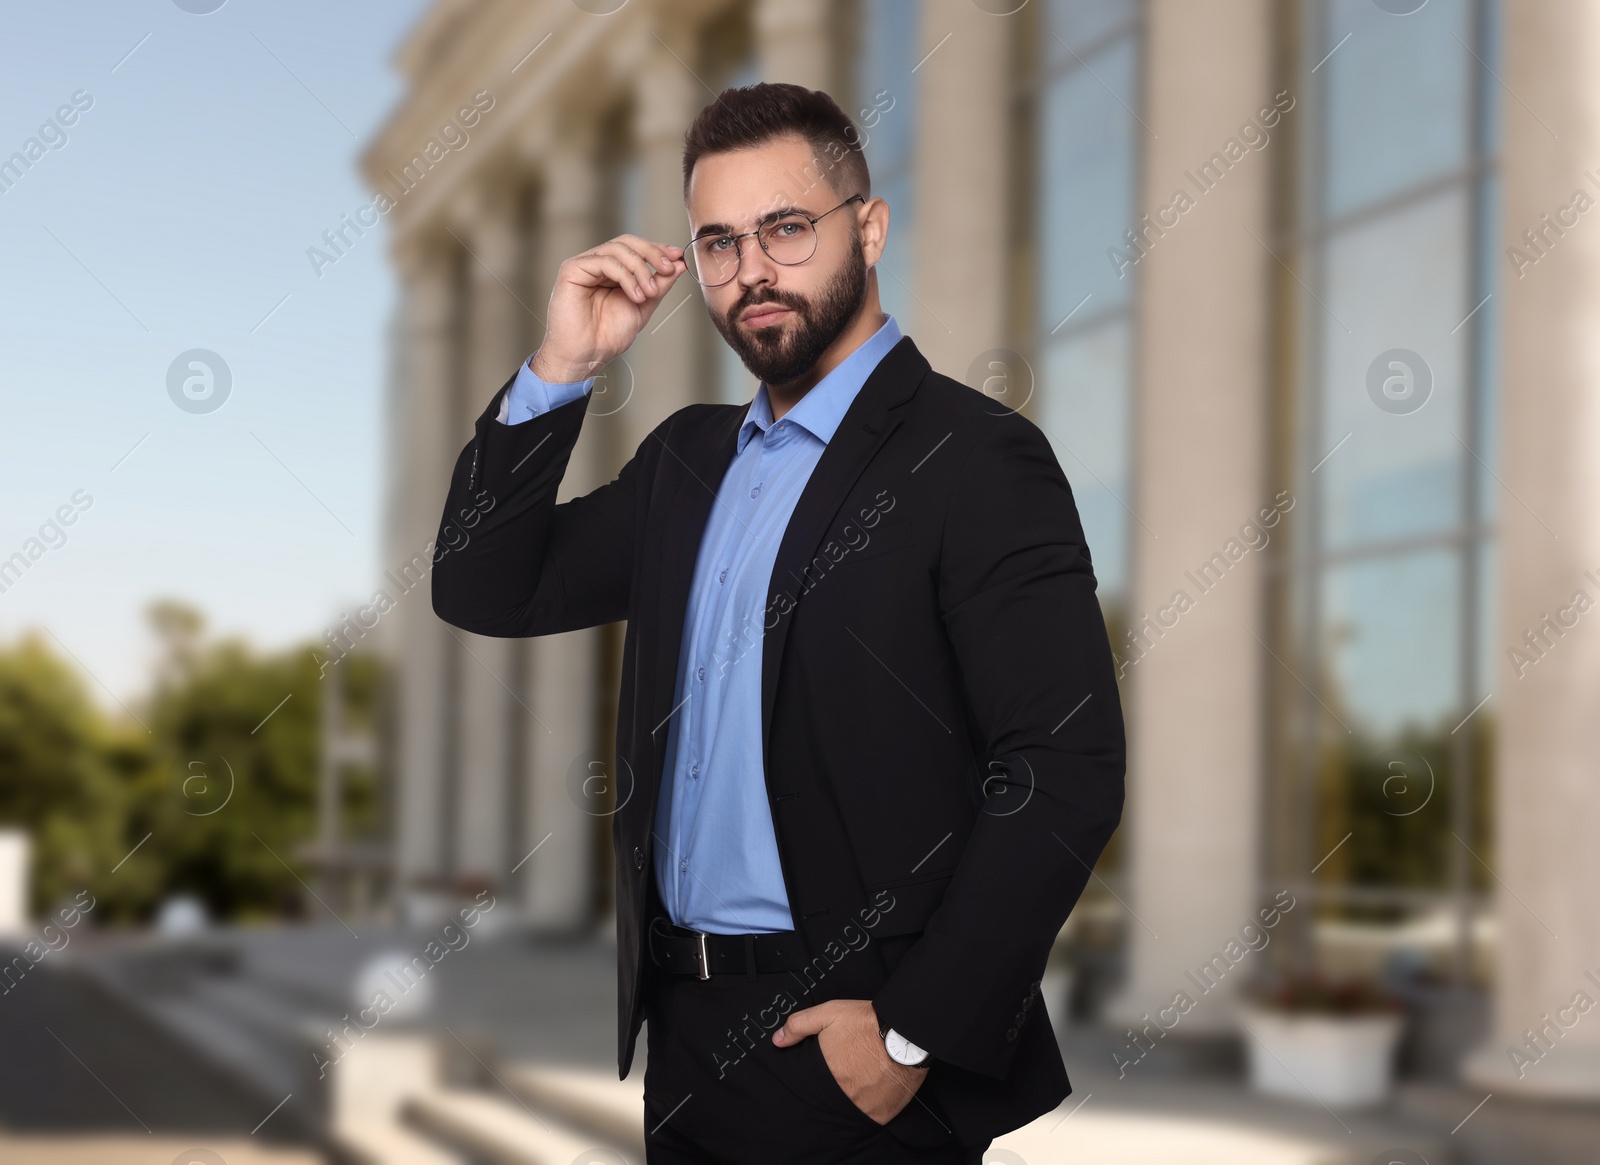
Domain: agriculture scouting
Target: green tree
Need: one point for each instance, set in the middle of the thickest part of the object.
(59, 773)
(214, 798)
(231, 794)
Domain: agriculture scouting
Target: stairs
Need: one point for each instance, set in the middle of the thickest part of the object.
(256, 1035)
(613, 1108)
(391, 1106)
(496, 1130)
(257, 1008)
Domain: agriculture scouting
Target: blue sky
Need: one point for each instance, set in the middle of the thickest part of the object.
(177, 215)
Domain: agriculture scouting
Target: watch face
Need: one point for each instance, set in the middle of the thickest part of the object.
(902, 1050)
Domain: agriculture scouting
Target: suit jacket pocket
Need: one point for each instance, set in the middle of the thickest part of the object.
(913, 901)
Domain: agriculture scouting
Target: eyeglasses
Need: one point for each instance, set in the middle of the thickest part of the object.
(788, 239)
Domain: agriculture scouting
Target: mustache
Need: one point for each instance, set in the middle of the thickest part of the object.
(786, 299)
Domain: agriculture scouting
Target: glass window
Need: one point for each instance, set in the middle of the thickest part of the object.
(728, 59)
(1391, 637)
(1395, 287)
(1085, 164)
(1074, 25)
(1396, 94)
(886, 114)
(1390, 583)
(1086, 413)
(621, 175)
(1087, 147)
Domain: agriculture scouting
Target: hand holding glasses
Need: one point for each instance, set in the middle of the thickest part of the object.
(600, 302)
(604, 297)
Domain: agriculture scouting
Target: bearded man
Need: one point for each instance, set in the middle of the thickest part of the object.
(867, 696)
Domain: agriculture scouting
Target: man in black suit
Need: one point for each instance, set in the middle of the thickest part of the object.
(867, 696)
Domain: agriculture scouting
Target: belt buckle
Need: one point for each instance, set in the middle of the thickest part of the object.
(704, 957)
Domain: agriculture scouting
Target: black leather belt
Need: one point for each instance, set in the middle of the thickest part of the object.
(700, 953)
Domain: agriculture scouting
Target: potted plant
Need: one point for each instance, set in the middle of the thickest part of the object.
(1312, 1037)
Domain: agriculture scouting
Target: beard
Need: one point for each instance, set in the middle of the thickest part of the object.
(781, 355)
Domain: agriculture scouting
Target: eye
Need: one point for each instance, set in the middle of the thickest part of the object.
(721, 243)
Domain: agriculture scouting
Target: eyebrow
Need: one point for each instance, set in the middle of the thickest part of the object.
(721, 228)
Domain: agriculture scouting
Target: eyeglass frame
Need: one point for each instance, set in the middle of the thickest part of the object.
(771, 220)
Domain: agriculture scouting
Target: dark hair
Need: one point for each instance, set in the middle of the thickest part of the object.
(755, 114)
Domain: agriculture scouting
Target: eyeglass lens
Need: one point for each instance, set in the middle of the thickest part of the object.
(790, 239)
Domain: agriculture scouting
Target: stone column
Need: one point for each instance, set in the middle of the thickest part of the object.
(427, 444)
(486, 222)
(557, 882)
(964, 94)
(663, 359)
(794, 42)
(1547, 798)
(1194, 713)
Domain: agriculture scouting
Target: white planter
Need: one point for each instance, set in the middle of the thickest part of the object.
(1342, 1061)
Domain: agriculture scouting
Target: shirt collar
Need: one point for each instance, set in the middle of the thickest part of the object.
(821, 409)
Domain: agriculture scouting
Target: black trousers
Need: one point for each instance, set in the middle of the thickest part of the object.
(718, 1092)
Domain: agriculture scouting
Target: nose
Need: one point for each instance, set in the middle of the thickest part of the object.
(755, 265)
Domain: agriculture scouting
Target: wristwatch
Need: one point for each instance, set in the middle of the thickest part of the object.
(902, 1050)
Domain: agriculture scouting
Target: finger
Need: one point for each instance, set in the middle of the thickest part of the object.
(677, 258)
(623, 268)
(638, 255)
(666, 261)
(808, 1021)
(642, 270)
(661, 269)
(664, 285)
(602, 268)
(661, 256)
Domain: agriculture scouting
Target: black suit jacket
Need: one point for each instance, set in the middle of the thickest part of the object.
(943, 736)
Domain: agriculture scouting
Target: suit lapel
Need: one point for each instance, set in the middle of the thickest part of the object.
(866, 425)
(696, 463)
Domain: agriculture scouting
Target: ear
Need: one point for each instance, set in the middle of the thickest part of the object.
(872, 219)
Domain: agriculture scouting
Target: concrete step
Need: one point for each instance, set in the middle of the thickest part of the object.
(287, 1026)
(1111, 1136)
(595, 1101)
(223, 1037)
(370, 1086)
(497, 1130)
(380, 1143)
(1496, 1129)
(260, 1042)
(141, 1149)
(230, 1046)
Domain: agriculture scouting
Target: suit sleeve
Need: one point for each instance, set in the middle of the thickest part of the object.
(1017, 596)
(508, 561)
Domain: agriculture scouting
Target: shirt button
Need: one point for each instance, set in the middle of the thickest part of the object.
(755, 491)
(638, 858)
(723, 577)
(683, 864)
(694, 771)
(701, 673)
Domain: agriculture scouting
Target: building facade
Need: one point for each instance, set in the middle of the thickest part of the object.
(1298, 291)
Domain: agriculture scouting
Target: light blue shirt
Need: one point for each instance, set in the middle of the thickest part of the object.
(716, 853)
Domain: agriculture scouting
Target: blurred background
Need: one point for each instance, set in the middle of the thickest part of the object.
(1302, 292)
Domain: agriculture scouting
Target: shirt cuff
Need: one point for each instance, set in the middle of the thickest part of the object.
(529, 396)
